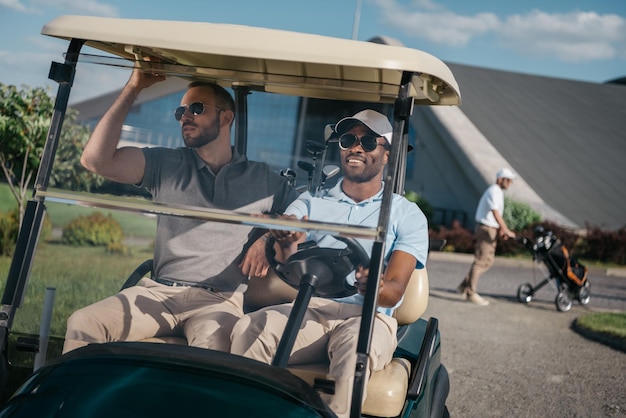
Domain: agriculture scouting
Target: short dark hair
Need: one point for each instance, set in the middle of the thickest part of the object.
(223, 99)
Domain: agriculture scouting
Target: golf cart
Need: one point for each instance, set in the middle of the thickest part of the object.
(320, 79)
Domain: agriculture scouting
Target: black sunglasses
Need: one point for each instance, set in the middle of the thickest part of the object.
(368, 142)
(197, 108)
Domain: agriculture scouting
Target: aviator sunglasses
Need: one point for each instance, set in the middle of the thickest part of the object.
(368, 142)
(196, 108)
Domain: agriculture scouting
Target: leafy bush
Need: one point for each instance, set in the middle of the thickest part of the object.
(571, 239)
(95, 230)
(422, 203)
(605, 246)
(9, 230)
(518, 216)
(117, 248)
(68, 173)
(458, 239)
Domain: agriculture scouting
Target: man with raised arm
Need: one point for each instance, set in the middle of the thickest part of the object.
(200, 267)
(330, 327)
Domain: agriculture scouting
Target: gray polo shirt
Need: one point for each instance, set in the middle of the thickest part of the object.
(201, 251)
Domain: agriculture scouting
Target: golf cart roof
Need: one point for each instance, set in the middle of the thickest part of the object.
(269, 60)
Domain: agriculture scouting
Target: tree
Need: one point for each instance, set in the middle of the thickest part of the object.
(68, 173)
(24, 121)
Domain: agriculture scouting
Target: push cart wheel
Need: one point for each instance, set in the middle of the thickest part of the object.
(525, 293)
(583, 294)
(563, 301)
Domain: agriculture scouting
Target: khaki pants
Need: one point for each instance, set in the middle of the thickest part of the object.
(484, 256)
(329, 332)
(150, 309)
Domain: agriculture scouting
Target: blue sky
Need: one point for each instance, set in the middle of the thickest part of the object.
(574, 39)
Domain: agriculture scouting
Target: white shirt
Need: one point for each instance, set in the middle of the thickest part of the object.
(492, 198)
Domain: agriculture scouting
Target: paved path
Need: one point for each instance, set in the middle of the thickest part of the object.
(514, 360)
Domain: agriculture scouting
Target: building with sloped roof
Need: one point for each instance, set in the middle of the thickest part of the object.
(566, 140)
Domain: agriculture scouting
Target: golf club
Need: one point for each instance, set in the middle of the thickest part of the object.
(328, 171)
(290, 175)
(308, 167)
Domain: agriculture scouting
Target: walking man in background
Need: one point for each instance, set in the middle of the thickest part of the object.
(489, 224)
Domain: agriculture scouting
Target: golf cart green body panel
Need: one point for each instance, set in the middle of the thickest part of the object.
(157, 380)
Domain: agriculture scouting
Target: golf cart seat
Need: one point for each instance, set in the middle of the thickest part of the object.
(387, 389)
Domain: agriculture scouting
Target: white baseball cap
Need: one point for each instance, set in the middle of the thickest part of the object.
(506, 174)
(376, 122)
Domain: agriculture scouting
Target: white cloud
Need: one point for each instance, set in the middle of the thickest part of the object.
(436, 24)
(89, 7)
(14, 5)
(572, 37)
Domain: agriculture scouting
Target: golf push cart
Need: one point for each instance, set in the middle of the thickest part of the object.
(314, 80)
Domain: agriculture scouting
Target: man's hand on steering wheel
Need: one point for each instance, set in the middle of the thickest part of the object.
(361, 274)
(287, 240)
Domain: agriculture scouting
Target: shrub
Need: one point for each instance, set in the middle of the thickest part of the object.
(458, 239)
(518, 216)
(95, 230)
(9, 230)
(605, 246)
(117, 248)
(595, 245)
(572, 240)
(422, 203)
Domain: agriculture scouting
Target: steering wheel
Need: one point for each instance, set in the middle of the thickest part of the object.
(326, 268)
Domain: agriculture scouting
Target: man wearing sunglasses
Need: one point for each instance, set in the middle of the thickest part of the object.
(200, 268)
(331, 326)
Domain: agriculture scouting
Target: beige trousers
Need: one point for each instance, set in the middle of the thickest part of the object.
(329, 332)
(150, 309)
(484, 256)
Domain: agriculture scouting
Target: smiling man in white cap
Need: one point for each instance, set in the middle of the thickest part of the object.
(489, 224)
(331, 326)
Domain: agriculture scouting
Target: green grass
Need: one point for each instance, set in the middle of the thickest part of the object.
(80, 275)
(609, 323)
(7, 201)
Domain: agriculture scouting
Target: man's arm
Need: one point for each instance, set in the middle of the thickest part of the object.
(254, 262)
(504, 230)
(101, 155)
(393, 281)
(287, 241)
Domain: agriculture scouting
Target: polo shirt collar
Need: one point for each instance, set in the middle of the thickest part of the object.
(200, 164)
(338, 194)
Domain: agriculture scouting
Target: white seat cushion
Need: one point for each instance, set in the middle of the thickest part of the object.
(386, 390)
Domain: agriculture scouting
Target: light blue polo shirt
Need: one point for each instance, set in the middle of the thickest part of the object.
(407, 231)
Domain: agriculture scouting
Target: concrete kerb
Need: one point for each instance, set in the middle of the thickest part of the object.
(616, 272)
